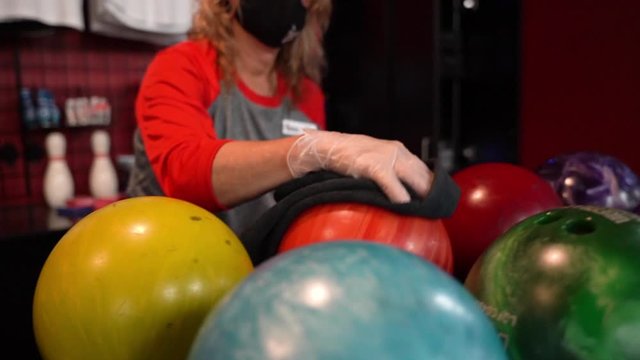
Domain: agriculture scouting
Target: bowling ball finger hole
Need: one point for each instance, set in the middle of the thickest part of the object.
(579, 227)
(548, 218)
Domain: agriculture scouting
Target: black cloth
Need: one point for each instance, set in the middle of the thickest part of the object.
(262, 239)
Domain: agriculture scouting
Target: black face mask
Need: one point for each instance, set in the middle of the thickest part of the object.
(273, 22)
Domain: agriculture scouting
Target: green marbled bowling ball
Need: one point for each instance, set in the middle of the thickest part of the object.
(565, 284)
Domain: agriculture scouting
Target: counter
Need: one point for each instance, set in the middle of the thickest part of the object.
(28, 233)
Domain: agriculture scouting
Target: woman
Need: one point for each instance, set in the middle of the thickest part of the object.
(237, 110)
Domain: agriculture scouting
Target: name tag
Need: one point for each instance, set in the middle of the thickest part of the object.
(295, 127)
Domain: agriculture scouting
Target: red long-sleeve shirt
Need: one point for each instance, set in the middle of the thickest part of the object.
(178, 128)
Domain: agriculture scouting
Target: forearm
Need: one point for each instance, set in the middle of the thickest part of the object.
(243, 170)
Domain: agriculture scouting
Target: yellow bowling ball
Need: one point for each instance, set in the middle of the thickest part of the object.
(135, 280)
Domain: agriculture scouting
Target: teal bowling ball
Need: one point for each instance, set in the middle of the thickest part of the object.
(565, 284)
(350, 300)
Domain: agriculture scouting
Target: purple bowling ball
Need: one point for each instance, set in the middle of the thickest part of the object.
(592, 178)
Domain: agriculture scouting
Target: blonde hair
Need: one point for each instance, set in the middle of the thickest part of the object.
(302, 57)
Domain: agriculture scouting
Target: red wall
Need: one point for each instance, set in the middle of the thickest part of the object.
(580, 79)
(70, 64)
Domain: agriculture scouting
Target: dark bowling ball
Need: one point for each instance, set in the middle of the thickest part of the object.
(592, 178)
(493, 197)
(351, 300)
(564, 284)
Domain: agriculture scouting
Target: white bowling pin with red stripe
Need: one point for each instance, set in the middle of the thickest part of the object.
(103, 178)
(58, 184)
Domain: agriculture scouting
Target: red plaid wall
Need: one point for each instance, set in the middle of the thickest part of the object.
(70, 64)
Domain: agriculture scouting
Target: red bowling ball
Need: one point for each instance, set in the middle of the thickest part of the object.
(494, 197)
(424, 237)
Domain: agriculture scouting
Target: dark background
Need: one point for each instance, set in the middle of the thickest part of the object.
(409, 70)
(513, 81)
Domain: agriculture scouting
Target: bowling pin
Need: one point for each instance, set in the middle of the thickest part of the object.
(58, 185)
(103, 179)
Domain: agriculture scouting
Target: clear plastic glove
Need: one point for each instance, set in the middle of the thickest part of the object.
(386, 162)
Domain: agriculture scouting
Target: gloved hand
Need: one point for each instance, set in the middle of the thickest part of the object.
(386, 162)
